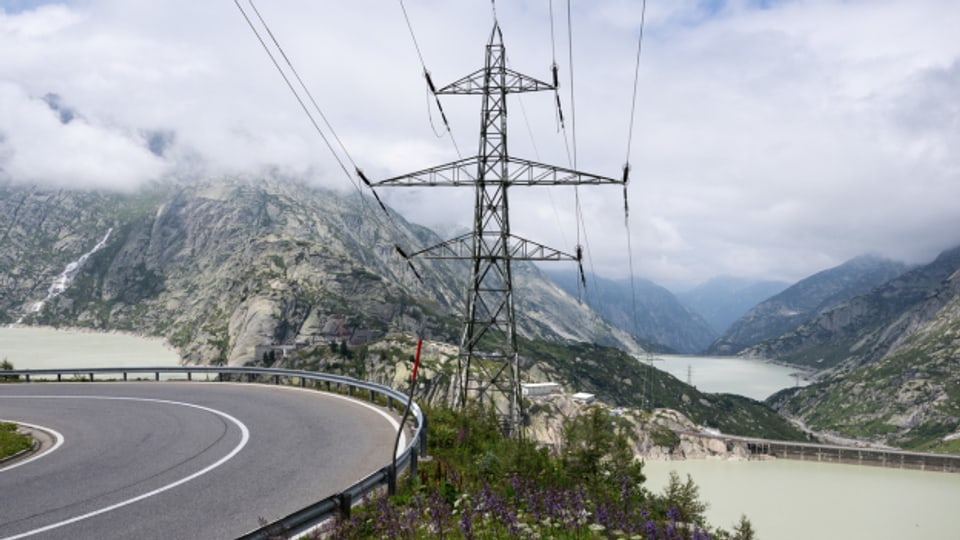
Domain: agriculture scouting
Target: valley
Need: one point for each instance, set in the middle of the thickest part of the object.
(228, 270)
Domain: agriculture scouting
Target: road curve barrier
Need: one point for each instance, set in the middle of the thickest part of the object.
(338, 504)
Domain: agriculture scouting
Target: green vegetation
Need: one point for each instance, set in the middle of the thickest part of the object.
(277, 261)
(619, 379)
(480, 484)
(219, 336)
(822, 356)
(7, 365)
(920, 382)
(941, 446)
(662, 436)
(12, 442)
(181, 337)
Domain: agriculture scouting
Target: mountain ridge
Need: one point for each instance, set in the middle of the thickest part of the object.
(900, 381)
(865, 326)
(804, 300)
(221, 266)
(658, 317)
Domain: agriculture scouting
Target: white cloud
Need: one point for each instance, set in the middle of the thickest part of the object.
(772, 139)
(38, 146)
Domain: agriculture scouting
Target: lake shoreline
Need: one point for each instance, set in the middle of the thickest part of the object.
(754, 378)
(85, 330)
(29, 347)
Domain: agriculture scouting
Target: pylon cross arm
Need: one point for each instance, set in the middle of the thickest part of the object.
(523, 172)
(462, 172)
(514, 82)
(520, 172)
(520, 249)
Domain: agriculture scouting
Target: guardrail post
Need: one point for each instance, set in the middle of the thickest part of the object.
(373, 397)
(156, 376)
(28, 377)
(91, 377)
(303, 382)
(189, 375)
(350, 390)
(346, 501)
(390, 403)
(220, 376)
(414, 462)
(276, 379)
(124, 376)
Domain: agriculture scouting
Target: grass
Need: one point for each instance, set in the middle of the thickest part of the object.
(12, 442)
(480, 484)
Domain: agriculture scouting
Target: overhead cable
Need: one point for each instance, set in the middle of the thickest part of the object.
(313, 120)
(430, 86)
(626, 173)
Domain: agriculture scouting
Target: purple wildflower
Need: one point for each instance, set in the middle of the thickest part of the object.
(650, 529)
(673, 514)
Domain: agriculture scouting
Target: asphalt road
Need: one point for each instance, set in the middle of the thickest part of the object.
(181, 460)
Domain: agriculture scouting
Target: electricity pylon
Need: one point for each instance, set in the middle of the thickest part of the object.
(488, 363)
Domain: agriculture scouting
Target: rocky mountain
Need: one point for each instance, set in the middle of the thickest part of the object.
(896, 358)
(724, 299)
(805, 300)
(661, 320)
(222, 266)
(867, 326)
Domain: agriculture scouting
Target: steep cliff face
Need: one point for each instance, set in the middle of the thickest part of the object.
(657, 317)
(222, 266)
(867, 326)
(805, 300)
(42, 231)
(908, 395)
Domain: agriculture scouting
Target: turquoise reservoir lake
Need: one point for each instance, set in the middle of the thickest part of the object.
(794, 500)
(752, 378)
(800, 500)
(37, 348)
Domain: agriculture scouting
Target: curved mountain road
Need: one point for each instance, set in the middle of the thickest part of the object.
(181, 460)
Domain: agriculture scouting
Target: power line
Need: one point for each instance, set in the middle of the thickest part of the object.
(413, 36)
(636, 79)
(317, 127)
(626, 177)
(302, 85)
(555, 69)
(581, 223)
(573, 103)
(430, 85)
(293, 90)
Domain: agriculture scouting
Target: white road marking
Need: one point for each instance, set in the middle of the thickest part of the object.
(56, 435)
(245, 437)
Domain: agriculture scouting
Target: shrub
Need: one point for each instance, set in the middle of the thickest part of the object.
(481, 484)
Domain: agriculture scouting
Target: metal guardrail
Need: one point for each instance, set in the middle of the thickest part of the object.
(334, 505)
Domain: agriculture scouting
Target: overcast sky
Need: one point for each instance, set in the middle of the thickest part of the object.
(772, 139)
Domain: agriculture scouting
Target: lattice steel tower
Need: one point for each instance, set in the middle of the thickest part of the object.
(488, 363)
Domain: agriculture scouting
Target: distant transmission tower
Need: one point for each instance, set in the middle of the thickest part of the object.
(488, 363)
